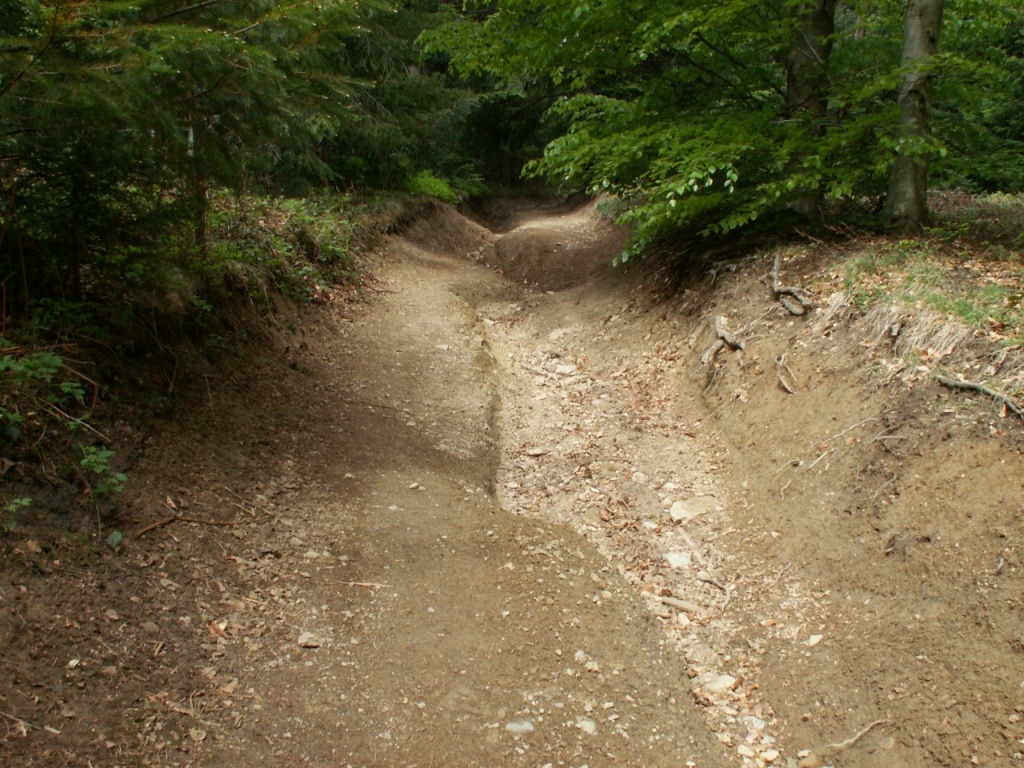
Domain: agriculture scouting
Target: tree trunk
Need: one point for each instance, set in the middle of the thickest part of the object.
(906, 203)
(807, 84)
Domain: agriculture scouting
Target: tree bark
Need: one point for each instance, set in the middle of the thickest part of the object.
(807, 84)
(906, 203)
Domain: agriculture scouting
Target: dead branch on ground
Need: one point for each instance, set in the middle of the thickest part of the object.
(197, 521)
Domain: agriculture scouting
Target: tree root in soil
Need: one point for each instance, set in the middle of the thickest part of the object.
(796, 300)
(814, 759)
(1008, 402)
(724, 338)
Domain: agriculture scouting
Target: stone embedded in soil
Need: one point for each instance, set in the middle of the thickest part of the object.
(308, 640)
(519, 727)
(684, 511)
(587, 725)
(720, 684)
(678, 559)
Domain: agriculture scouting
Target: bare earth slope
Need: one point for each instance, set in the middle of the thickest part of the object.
(503, 515)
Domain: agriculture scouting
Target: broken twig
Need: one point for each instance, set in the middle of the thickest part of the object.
(831, 749)
(363, 584)
(178, 519)
(680, 605)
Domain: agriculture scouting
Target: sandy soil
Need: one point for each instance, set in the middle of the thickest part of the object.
(503, 514)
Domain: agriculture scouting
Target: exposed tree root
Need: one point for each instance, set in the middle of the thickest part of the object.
(724, 338)
(780, 368)
(1002, 397)
(796, 300)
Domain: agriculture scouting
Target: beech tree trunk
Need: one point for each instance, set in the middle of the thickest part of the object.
(906, 203)
(807, 83)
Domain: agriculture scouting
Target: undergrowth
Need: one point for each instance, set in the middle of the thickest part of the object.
(953, 300)
(969, 269)
(142, 306)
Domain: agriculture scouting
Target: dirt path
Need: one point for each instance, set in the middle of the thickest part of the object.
(489, 638)
(503, 514)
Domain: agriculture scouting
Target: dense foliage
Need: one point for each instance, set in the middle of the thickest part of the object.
(716, 113)
(119, 120)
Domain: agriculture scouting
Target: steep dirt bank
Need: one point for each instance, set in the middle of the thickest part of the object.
(503, 514)
(851, 556)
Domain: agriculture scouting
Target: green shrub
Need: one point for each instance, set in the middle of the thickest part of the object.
(425, 183)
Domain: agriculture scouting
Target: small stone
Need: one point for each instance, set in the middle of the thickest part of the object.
(754, 724)
(813, 640)
(149, 627)
(565, 370)
(307, 640)
(519, 727)
(720, 684)
(770, 755)
(587, 725)
(295, 541)
(684, 511)
(311, 555)
(678, 559)
(745, 751)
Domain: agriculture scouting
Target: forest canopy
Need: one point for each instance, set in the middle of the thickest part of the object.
(122, 123)
(717, 113)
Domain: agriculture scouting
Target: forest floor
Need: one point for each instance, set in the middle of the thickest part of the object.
(514, 509)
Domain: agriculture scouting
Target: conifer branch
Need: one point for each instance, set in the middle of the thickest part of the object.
(187, 9)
